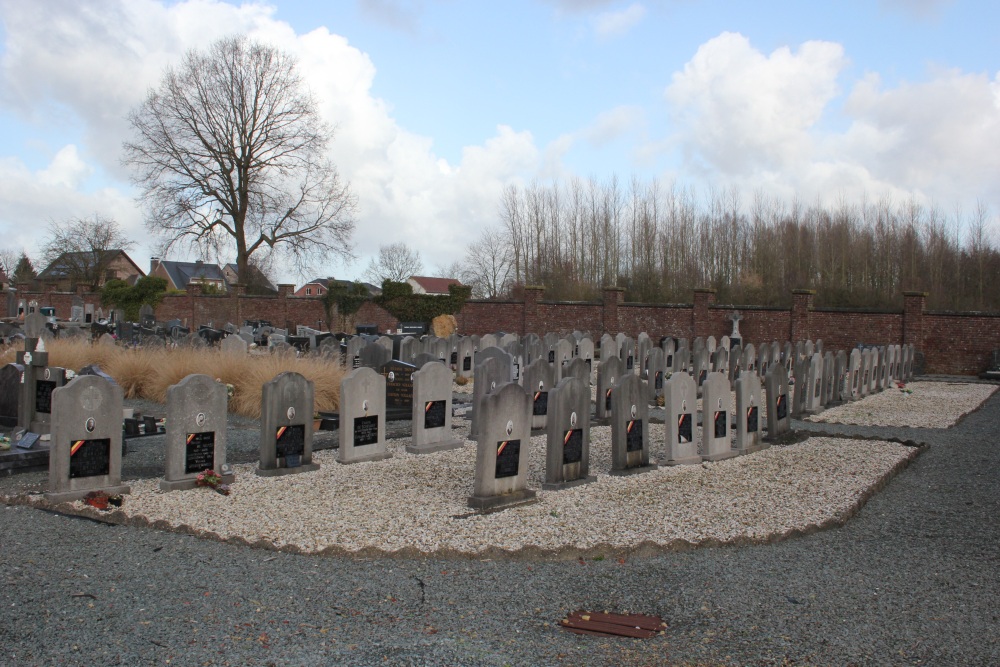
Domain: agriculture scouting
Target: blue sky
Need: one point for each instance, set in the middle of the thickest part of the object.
(440, 104)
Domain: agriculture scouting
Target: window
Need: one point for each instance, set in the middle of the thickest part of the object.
(309, 290)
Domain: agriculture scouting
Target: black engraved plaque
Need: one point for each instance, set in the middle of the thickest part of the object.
(454, 358)
(467, 364)
(752, 422)
(199, 452)
(540, 406)
(781, 406)
(720, 423)
(684, 422)
(819, 388)
(508, 458)
(43, 395)
(670, 361)
(573, 446)
(290, 441)
(90, 458)
(630, 362)
(398, 389)
(701, 377)
(658, 381)
(434, 415)
(365, 431)
(607, 401)
(552, 356)
(633, 436)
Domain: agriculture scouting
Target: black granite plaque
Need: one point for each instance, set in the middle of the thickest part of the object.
(454, 358)
(540, 406)
(701, 377)
(630, 362)
(356, 362)
(720, 418)
(398, 387)
(752, 423)
(552, 356)
(365, 430)
(670, 361)
(290, 441)
(43, 395)
(508, 458)
(607, 401)
(633, 436)
(573, 446)
(434, 415)
(90, 458)
(467, 364)
(684, 422)
(199, 452)
(819, 388)
(658, 381)
(781, 406)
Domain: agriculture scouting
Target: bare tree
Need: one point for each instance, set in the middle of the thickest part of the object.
(9, 258)
(81, 249)
(395, 262)
(488, 267)
(229, 150)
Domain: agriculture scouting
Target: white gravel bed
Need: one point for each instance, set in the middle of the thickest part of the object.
(930, 405)
(419, 502)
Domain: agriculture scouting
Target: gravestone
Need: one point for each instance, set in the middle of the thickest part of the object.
(654, 373)
(840, 376)
(630, 427)
(85, 453)
(735, 337)
(701, 367)
(424, 358)
(10, 390)
(829, 379)
(682, 360)
(353, 350)
(627, 353)
(609, 374)
(501, 476)
(710, 345)
(801, 390)
(720, 361)
(890, 362)
(609, 347)
(431, 415)
(489, 375)
(577, 368)
(813, 384)
(854, 374)
(506, 361)
(533, 348)
(749, 415)
(488, 340)
(563, 350)
(763, 359)
(195, 432)
(668, 354)
(716, 440)
(33, 361)
(642, 346)
(567, 453)
(864, 385)
(373, 356)
(398, 391)
(463, 358)
(363, 405)
(234, 345)
(539, 380)
(47, 381)
(585, 351)
(776, 389)
(879, 380)
(286, 426)
(680, 427)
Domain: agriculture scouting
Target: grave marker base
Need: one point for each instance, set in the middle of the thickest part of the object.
(685, 461)
(622, 472)
(187, 484)
(558, 486)
(278, 472)
(362, 458)
(431, 447)
(503, 501)
(70, 496)
(721, 456)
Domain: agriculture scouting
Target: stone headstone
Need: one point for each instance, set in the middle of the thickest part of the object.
(501, 475)
(716, 440)
(539, 380)
(654, 373)
(398, 397)
(85, 452)
(491, 374)
(464, 357)
(854, 375)
(813, 384)
(195, 432)
(749, 414)
(233, 345)
(778, 411)
(431, 414)
(10, 390)
(286, 425)
(609, 375)
(680, 426)
(630, 427)
(363, 413)
(374, 356)
(567, 453)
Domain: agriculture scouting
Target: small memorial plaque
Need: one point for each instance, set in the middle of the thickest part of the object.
(670, 361)
(633, 436)
(467, 364)
(819, 388)
(540, 406)
(658, 381)
(573, 446)
(720, 423)
(552, 356)
(752, 423)
(90, 458)
(199, 452)
(630, 362)
(508, 458)
(43, 395)
(365, 430)
(684, 422)
(454, 358)
(27, 441)
(701, 377)
(434, 414)
(607, 401)
(781, 406)
(290, 441)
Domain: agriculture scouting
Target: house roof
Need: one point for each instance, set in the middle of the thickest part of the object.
(434, 285)
(256, 275)
(68, 263)
(329, 282)
(181, 273)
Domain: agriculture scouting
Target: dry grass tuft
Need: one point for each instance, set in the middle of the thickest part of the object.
(444, 325)
(461, 381)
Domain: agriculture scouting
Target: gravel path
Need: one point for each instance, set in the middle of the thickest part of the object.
(912, 579)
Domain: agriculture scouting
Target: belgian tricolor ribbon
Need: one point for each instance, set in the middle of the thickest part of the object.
(76, 447)
(630, 425)
(502, 446)
(569, 434)
(427, 407)
(281, 432)
(190, 437)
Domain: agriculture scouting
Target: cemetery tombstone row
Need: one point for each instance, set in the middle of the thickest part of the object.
(195, 432)
(680, 404)
(85, 452)
(567, 454)
(431, 414)
(630, 427)
(286, 410)
(501, 475)
(716, 405)
(362, 416)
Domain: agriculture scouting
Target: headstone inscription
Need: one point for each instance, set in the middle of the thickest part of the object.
(668, 354)
(362, 415)
(567, 454)
(286, 421)
(539, 380)
(748, 414)
(86, 448)
(48, 380)
(716, 442)
(431, 415)
(630, 427)
(195, 432)
(776, 390)
(398, 399)
(501, 476)
(609, 374)
(680, 404)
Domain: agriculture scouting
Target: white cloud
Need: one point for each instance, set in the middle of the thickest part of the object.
(616, 23)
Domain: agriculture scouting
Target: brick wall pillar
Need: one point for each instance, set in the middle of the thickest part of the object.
(913, 318)
(802, 305)
(530, 321)
(701, 323)
(613, 297)
(284, 291)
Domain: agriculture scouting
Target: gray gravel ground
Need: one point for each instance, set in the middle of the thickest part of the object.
(911, 580)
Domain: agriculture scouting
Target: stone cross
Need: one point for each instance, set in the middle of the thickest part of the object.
(736, 317)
